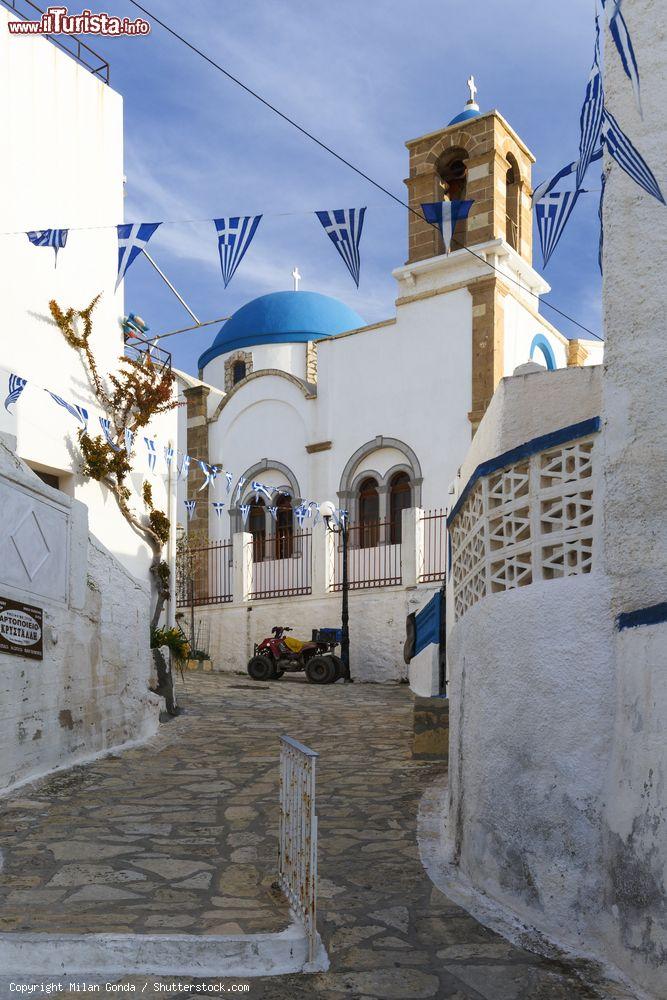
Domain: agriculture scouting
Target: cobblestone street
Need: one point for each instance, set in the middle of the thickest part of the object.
(181, 835)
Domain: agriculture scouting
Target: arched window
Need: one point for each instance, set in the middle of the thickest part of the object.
(369, 514)
(451, 185)
(400, 498)
(284, 527)
(257, 528)
(238, 371)
(513, 204)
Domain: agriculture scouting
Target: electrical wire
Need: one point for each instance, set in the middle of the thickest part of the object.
(323, 145)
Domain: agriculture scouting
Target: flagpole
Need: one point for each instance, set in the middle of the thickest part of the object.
(169, 285)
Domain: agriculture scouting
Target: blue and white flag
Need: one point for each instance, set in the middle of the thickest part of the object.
(258, 488)
(445, 215)
(217, 507)
(547, 186)
(628, 158)
(623, 42)
(132, 238)
(16, 385)
(190, 507)
(601, 218)
(552, 213)
(342, 518)
(152, 454)
(105, 424)
(239, 489)
(56, 238)
(591, 112)
(210, 472)
(129, 440)
(78, 412)
(234, 237)
(273, 511)
(245, 510)
(185, 467)
(168, 455)
(344, 226)
(229, 476)
(301, 513)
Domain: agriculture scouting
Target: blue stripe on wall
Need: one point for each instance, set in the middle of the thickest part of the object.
(642, 616)
(532, 447)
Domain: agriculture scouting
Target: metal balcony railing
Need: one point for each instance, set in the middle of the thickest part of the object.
(71, 44)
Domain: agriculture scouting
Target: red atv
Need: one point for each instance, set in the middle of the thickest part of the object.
(274, 656)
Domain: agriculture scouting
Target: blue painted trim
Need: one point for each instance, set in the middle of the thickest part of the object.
(532, 447)
(654, 615)
(541, 342)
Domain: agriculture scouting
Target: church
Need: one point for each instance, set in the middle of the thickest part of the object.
(298, 393)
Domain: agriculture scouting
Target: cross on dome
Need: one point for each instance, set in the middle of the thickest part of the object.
(297, 278)
(473, 90)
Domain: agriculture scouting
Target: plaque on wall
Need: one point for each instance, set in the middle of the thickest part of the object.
(21, 629)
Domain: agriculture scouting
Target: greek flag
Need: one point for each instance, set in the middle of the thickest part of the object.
(245, 510)
(105, 424)
(132, 238)
(16, 385)
(56, 238)
(168, 455)
(552, 213)
(301, 513)
(210, 472)
(445, 215)
(258, 488)
(230, 478)
(342, 517)
(78, 412)
(343, 226)
(152, 456)
(185, 467)
(217, 507)
(129, 440)
(628, 158)
(623, 42)
(547, 186)
(591, 112)
(273, 511)
(234, 237)
(239, 488)
(190, 507)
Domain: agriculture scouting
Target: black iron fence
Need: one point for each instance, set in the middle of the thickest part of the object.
(434, 567)
(205, 575)
(373, 560)
(282, 564)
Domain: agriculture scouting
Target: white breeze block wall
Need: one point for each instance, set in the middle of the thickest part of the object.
(90, 691)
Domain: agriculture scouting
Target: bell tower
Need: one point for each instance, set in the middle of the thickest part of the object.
(476, 157)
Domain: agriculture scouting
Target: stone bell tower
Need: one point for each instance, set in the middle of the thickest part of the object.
(476, 157)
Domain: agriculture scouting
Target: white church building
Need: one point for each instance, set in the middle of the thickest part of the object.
(298, 393)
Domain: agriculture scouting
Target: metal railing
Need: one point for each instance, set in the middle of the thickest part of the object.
(71, 44)
(282, 564)
(148, 354)
(205, 576)
(434, 565)
(373, 560)
(297, 871)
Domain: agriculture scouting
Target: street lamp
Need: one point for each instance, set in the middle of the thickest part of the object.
(327, 510)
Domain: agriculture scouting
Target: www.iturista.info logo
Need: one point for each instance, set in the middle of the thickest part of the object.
(58, 21)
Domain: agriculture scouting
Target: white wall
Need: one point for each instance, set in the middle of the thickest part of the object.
(286, 357)
(90, 690)
(63, 166)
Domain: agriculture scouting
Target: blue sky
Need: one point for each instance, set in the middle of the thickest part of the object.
(365, 77)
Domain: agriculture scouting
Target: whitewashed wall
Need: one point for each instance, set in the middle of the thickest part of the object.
(90, 691)
(558, 762)
(62, 165)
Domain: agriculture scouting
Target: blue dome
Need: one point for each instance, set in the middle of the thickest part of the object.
(465, 115)
(282, 318)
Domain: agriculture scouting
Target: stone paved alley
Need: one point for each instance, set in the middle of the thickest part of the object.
(181, 835)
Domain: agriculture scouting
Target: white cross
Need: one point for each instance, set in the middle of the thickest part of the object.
(472, 88)
(297, 278)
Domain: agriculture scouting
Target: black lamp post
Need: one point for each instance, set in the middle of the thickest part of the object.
(327, 511)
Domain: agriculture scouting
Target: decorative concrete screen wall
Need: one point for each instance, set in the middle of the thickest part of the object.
(88, 690)
(525, 516)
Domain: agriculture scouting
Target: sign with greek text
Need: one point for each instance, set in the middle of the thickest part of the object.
(21, 629)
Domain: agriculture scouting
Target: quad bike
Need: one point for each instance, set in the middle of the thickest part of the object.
(280, 653)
